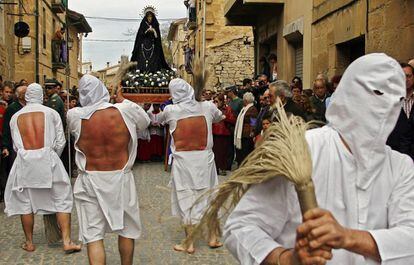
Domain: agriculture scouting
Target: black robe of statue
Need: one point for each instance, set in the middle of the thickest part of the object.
(148, 51)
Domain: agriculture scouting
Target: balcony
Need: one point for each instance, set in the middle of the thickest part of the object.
(246, 12)
(192, 18)
(59, 54)
(59, 6)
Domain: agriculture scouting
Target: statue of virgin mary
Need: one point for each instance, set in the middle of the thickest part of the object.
(148, 51)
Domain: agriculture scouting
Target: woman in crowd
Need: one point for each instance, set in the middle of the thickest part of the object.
(222, 135)
(244, 130)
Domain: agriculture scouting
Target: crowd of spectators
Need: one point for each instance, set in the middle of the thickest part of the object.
(12, 99)
(250, 109)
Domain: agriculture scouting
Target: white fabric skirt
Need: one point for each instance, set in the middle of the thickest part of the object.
(183, 204)
(98, 206)
(58, 199)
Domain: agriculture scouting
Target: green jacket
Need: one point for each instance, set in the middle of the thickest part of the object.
(236, 105)
(10, 111)
(56, 103)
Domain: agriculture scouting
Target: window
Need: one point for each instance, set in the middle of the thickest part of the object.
(44, 28)
(299, 60)
(349, 51)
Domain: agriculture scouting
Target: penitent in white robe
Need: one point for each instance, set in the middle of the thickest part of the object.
(370, 188)
(38, 182)
(107, 201)
(192, 172)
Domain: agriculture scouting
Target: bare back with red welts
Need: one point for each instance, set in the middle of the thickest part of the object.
(104, 140)
(32, 130)
(191, 134)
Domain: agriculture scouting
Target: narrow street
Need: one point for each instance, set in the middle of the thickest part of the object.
(160, 232)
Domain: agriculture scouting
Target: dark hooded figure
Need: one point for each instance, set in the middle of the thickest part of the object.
(148, 48)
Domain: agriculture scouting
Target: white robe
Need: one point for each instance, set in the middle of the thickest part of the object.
(107, 201)
(155, 118)
(192, 172)
(368, 188)
(38, 182)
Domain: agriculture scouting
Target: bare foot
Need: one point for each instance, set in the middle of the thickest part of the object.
(181, 248)
(215, 244)
(71, 248)
(29, 247)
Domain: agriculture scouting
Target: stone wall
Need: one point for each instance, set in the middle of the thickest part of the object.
(229, 63)
(391, 28)
(25, 63)
(6, 43)
(347, 23)
(385, 25)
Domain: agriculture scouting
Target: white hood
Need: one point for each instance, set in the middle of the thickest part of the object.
(183, 94)
(93, 95)
(34, 94)
(364, 110)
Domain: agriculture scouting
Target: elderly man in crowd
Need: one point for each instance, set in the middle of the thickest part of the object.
(280, 89)
(366, 189)
(244, 129)
(193, 170)
(402, 137)
(105, 192)
(38, 182)
(318, 100)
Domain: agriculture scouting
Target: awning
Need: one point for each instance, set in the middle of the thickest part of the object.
(78, 21)
(246, 12)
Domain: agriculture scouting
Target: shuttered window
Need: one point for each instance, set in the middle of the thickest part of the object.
(299, 61)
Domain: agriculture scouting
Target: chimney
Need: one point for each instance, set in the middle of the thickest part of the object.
(107, 64)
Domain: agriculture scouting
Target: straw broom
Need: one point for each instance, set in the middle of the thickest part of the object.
(120, 74)
(283, 153)
(200, 77)
(52, 230)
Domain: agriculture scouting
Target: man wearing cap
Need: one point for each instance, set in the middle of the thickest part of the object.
(55, 102)
(38, 182)
(235, 103)
(105, 192)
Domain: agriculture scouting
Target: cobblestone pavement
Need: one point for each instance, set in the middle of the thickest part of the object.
(160, 232)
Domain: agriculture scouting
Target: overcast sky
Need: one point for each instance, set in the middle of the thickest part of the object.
(101, 52)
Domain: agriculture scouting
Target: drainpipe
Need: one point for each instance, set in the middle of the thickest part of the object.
(204, 36)
(37, 78)
(67, 73)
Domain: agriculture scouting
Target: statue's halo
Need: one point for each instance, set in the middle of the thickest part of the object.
(149, 8)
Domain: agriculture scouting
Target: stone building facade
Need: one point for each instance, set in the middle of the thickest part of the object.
(6, 42)
(312, 36)
(178, 45)
(283, 28)
(227, 52)
(344, 30)
(33, 55)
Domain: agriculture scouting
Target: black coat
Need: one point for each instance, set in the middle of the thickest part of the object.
(401, 138)
(148, 52)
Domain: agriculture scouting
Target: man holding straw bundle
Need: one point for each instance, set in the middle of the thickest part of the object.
(366, 188)
(38, 182)
(193, 170)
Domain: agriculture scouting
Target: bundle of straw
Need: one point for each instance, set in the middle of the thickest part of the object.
(120, 74)
(283, 153)
(200, 77)
(52, 230)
